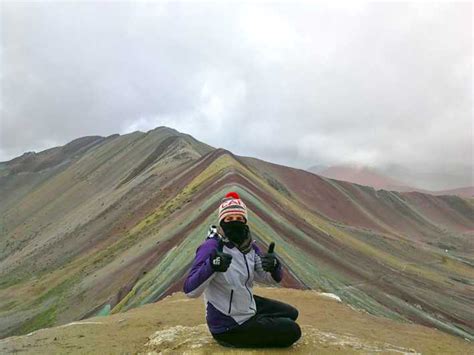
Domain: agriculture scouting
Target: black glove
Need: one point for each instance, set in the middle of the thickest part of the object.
(269, 261)
(220, 261)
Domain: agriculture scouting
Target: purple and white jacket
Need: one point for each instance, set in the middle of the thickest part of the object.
(228, 296)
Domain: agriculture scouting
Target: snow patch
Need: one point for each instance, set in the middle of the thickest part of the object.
(78, 323)
(330, 295)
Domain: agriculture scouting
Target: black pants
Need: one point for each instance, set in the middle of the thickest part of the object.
(272, 326)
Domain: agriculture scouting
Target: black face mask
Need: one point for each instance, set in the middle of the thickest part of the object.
(236, 231)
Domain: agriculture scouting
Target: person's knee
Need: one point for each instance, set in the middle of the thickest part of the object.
(291, 334)
(291, 312)
(294, 313)
(296, 332)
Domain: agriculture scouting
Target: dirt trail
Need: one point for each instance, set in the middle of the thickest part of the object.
(177, 324)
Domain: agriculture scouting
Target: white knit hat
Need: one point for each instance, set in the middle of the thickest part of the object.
(232, 204)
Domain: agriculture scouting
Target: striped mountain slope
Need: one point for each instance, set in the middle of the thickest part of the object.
(114, 223)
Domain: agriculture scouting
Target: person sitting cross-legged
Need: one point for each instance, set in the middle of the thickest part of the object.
(224, 268)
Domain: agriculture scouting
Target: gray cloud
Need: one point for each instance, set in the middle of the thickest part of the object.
(298, 84)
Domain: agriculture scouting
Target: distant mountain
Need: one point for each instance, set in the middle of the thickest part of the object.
(367, 176)
(359, 174)
(462, 191)
(447, 176)
(112, 223)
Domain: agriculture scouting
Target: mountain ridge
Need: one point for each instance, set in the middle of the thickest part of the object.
(117, 227)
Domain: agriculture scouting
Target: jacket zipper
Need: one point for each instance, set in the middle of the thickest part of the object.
(230, 302)
(248, 278)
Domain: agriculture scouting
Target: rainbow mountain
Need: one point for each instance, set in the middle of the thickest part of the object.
(104, 224)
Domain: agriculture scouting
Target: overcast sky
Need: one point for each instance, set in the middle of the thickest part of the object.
(298, 84)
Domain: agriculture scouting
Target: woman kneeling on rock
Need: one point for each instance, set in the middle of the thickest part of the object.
(224, 269)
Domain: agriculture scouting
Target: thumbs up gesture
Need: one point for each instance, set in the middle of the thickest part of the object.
(269, 260)
(220, 261)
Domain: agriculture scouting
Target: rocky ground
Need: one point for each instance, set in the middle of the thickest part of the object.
(177, 325)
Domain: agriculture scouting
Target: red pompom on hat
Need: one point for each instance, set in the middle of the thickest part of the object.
(233, 194)
(232, 204)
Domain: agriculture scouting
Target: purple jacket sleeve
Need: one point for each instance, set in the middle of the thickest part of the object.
(262, 275)
(201, 272)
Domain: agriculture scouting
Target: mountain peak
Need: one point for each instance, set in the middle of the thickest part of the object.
(164, 129)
